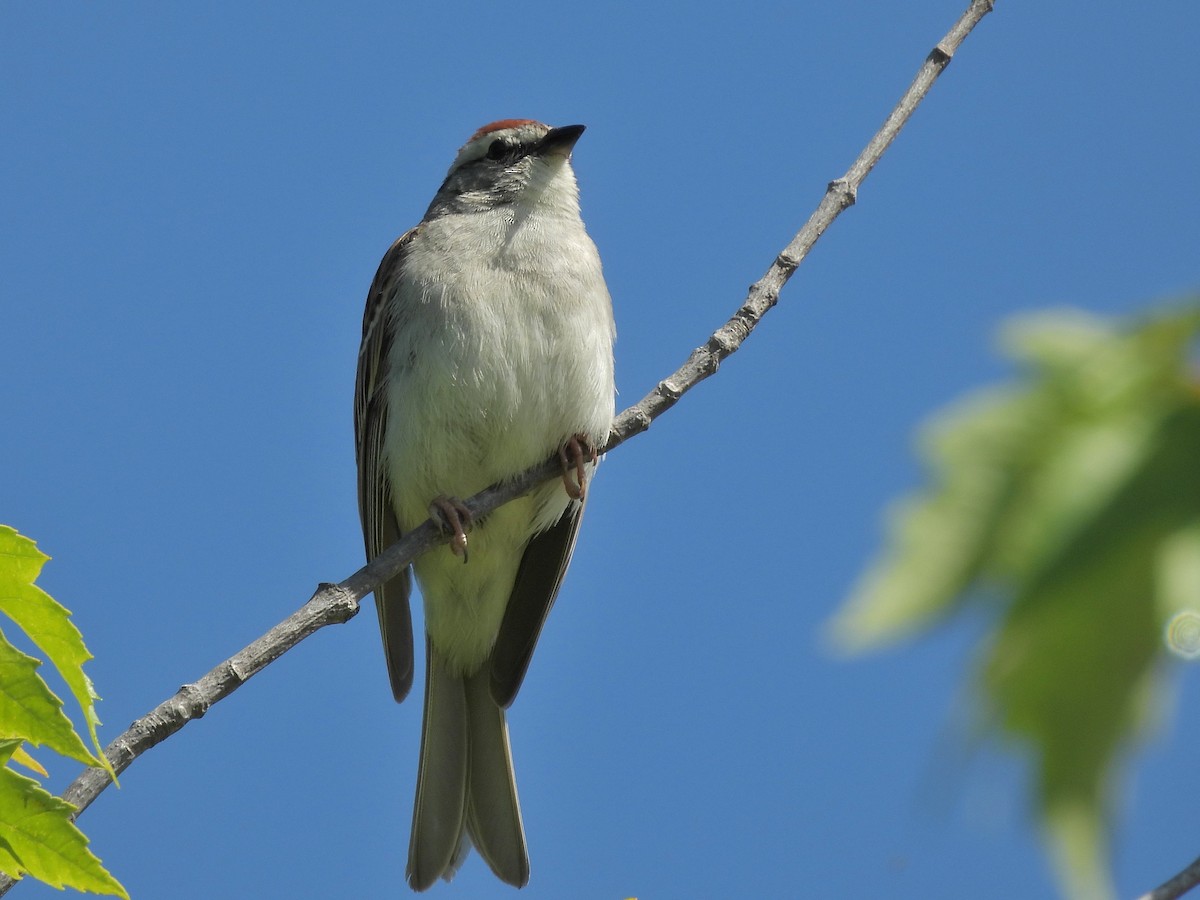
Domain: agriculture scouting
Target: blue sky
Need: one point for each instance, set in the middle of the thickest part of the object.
(195, 199)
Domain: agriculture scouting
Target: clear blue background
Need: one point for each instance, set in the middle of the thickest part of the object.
(194, 199)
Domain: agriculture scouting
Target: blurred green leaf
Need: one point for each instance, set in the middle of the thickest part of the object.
(1069, 502)
(1179, 590)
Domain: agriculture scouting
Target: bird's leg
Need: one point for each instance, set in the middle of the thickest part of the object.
(575, 454)
(453, 517)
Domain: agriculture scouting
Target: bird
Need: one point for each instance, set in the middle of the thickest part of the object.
(487, 348)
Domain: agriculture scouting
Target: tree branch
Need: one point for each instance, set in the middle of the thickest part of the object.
(337, 603)
(1177, 886)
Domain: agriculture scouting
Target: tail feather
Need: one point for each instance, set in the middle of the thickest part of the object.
(493, 811)
(440, 806)
(466, 791)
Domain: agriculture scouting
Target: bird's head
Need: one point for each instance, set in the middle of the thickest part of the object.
(512, 161)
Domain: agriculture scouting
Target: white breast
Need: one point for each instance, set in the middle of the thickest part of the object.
(501, 351)
(504, 352)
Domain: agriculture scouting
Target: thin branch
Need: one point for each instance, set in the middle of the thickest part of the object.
(764, 293)
(330, 605)
(338, 603)
(1177, 886)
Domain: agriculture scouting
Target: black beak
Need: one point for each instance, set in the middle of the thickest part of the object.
(559, 141)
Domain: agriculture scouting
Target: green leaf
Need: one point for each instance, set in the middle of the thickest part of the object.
(28, 709)
(1069, 502)
(37, 835)
(46, 622)
(38, 838)
(22, 756)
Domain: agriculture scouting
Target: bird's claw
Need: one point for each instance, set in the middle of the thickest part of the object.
(575, 454)
(453, 517)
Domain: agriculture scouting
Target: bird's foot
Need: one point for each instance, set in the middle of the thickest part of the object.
(575, 454)
(453, 517)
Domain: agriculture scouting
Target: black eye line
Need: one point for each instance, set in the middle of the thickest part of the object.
(502, 150)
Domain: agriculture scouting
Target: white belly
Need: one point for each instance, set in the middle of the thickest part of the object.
(492, 370)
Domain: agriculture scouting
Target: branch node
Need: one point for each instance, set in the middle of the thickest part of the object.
(187, 703)
(763, 298)
(719, 346)
(338, 604)
(198, 698)
(670, 390)
(634, 420)
(846, 192)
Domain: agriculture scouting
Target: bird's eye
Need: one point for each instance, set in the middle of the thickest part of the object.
(498, 149)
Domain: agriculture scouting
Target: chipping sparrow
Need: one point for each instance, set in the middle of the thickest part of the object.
(487, 346)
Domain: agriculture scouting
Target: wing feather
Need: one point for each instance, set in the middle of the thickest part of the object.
(538, 579)
(374, 497)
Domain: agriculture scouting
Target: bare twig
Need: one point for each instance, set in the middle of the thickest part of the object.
(1177, 886)
(764, 293)
(331, 604)
(338, 603)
